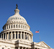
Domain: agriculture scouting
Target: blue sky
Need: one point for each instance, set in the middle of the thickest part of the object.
(38, 13)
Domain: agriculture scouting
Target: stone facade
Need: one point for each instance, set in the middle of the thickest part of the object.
(16, 34)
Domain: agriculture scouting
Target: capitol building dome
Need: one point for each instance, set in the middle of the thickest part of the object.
(17, 18)
(16, 28)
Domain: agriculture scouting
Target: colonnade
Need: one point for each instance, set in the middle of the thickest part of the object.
(10, 26)
(16, 35)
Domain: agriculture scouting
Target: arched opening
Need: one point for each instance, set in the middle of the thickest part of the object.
(16, 34)
(22, 35)
(19, 34)
(9, 35)
(13, 35)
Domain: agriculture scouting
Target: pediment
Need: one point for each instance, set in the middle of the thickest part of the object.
(43, 44)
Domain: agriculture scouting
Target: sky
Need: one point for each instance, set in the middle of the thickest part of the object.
(39, 14)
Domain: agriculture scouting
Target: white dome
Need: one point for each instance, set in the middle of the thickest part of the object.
(16, 18)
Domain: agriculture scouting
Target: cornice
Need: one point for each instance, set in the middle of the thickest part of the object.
(10, 30)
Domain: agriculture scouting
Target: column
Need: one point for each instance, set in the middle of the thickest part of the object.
(18, 35)
(21, 35)
(5, 36)
(18, 47)
(29, 36)
(24, 35)
(15, 35)
(8, 35)
(11, 35)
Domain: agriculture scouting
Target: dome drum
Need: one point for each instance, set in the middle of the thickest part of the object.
(11, 35)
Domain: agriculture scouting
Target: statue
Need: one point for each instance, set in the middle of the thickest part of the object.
(16, 6)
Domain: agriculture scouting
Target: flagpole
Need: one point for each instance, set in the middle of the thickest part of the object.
(39, 36)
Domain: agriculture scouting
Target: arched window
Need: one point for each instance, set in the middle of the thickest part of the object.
(13, 35)
(22, 35)
(26, 37)
(9, 26)
(14, 26)
(19, 25)
(16, 34)
(10, 35)
(23, 26)
(4, 35)
(19, 34)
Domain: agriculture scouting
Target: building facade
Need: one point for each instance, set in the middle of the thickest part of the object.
(16, 34)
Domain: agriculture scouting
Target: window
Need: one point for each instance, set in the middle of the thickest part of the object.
(9, 35)
(4, 35)
(19, 35)
(13, 35)
(14, 26)
(9, 26)
(19, 26)
(22, 35)
(26, 36)
(23, 26)
(16, 34)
